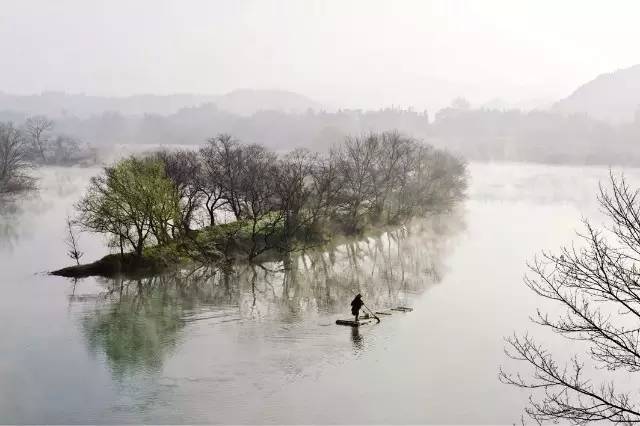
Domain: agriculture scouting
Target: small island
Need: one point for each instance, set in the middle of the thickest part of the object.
(231, 202)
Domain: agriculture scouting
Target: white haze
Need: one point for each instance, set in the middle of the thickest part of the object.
(365, 54)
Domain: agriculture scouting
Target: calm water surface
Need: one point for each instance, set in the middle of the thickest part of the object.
(259, 345)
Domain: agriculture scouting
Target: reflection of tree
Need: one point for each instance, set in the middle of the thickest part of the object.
(16, 210)
(134, 337)
(386, 268)
(10, 212)
(135, 331)
(141, 320)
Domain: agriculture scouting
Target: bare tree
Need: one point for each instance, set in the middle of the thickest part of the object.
(72, 243)
(14, 161)
(598, 287)
(183, 168)
(256, 198)
(219, 177)
(37, 129)
(389, 172)
(355, 165)
(325, 185)
(293, 193)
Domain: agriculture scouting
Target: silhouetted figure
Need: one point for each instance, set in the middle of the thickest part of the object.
(356, 304)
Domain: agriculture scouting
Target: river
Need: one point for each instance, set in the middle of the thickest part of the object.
(259, 344)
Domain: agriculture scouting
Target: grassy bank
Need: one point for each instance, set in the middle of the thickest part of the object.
(219, 243)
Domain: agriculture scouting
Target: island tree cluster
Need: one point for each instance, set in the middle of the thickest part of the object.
(228, 197)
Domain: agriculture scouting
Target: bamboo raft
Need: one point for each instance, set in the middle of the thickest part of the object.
(369, 319)
(353, 323)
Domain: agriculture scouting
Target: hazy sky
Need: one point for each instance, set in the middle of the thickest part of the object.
(343, 53)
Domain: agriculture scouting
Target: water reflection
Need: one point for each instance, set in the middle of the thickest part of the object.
(357, 339)
(137, 324)
(9, 219)
(141, 321)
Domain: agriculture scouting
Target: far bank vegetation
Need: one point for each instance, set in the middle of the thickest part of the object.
(35, 143)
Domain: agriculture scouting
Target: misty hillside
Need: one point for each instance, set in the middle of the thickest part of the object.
(476, 134)
(613, 97)
(241, 102)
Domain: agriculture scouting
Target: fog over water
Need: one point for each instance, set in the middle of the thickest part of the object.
(254, 345)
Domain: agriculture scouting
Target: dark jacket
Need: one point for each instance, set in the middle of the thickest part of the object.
(356, 304)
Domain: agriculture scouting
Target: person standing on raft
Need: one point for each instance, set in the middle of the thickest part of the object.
(356, 304)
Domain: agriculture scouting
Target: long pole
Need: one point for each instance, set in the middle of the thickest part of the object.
(374, 315)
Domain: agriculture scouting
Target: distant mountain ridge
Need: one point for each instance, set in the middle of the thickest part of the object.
(241, 102)
(612, 97)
